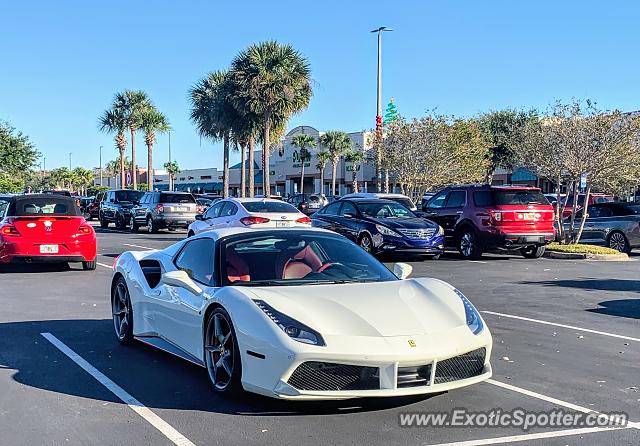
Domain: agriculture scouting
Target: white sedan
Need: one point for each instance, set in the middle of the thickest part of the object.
(249, 213)
(299, 314)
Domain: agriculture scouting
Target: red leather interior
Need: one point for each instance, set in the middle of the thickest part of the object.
(237, 268)
(301, 264)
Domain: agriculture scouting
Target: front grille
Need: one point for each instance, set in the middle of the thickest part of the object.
(414, 376)
(460, 367)
(417, 233)
(325, 376)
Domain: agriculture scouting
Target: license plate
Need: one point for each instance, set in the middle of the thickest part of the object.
(180, 209)
(48, 249)
(283, 224)
(529, 215)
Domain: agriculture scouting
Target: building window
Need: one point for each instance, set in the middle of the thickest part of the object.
(205, 177)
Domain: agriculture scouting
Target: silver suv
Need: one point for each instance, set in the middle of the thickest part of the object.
(158, 210)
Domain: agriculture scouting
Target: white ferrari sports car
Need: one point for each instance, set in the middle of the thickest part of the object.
(299, 313)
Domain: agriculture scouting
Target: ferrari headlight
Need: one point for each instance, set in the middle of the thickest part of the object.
(474, 321)
(387, 231)
(294, 329)
(440, 231)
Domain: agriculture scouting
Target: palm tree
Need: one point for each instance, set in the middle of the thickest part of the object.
(273, 81)
(214, 114)
(112, 121)
(355, 157)
(245, 129)
(152, 121)
(323, 158)
(302, 142)
(82, 179)
(172, 169)
(131, 104)
(338, 143)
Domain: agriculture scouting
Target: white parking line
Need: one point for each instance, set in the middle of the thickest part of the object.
(571, 327)
(104, 265)
(526, 437)
(137, 246)
(165, 428)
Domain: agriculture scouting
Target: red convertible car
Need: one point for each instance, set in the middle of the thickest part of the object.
(43, 228)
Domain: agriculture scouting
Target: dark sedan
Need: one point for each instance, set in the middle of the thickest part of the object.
(381, 226)
(616, 225)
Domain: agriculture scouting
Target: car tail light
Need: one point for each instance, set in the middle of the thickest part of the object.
(114, 262)
(303, 205)
(200, 208)
(305, 220)
(9, 230)
(253, 220)
(84, 229)
(159, 208)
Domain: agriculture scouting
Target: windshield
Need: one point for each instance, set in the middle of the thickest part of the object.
(504, 197)
(385, 210)
(4, 202)
(297, 258)
(268, 207)
(177, 198)
(406, 202)
(53, 205)
(130, 196)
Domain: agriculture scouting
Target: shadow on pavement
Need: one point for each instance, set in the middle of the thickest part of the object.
(155, 378)
(36, 268)
(592, 284)
(624, 308)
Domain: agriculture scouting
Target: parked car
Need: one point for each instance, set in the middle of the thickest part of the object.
(93, 208)
(308, 203)
(616, 225)
(399, 198)
(163, 210)
(116, 207)
(260, 213)
(202, 204)
(4, 202)
(593, 199)
(425, 199)
(379, 225)
(45, 228)
(478, 218)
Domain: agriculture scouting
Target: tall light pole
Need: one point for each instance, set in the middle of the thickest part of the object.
(100, 166)
(69, 160)
(379, 31)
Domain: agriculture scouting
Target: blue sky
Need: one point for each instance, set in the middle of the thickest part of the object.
(62, 62)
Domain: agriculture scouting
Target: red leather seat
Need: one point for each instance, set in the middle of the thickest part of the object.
(237, 269)
(301, 264)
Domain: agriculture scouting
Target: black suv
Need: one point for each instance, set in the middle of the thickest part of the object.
(159, 210)
(116, 207)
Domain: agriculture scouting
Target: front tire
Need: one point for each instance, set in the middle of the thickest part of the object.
(619, 242)
(366, 243)
(222, 355)
(532, 252)
(104, 224)
(120, 224)
(133, 226)
(152, 228)
(122, 312)
(469, 245)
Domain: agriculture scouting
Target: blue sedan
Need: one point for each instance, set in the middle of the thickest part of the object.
(381, 226)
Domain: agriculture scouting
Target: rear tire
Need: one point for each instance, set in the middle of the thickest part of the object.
(152, 228)
(89, 266)
(222, 355)
(617, 240)
(532, 252)
(133, 226)
(122, 312)
(469, 245)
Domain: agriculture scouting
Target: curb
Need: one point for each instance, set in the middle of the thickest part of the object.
(583, 256)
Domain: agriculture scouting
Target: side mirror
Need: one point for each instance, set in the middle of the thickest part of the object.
(402, 270)
(199, 217)
(181, 279)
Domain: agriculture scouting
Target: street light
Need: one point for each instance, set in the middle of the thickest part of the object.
(100, 166)
(69, 160)
(379, 31)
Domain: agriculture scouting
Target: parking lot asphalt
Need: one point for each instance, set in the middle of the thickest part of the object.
(566, 336)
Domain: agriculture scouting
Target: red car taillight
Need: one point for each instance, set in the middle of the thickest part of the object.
(253, 220)
(159, 208)
(305, 220)
(9, 230)
(84, 229)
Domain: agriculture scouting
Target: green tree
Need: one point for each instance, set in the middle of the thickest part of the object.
(214, 114)
(17, 156)
(338, 144)
(81, 179)
(355, 157)
(172, 169)
(130, 104)
(302, 142)
(113, 121)
(152, 122)
(272, 81)
(323, 158)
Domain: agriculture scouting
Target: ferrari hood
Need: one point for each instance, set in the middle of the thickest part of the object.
(396, 308)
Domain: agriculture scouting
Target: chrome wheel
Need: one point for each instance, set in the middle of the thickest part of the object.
(220, 351)
(365, 243)
(121, 312)
(466, 244)
(618, 242)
